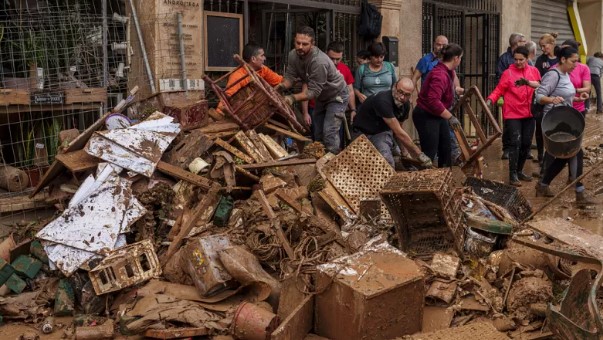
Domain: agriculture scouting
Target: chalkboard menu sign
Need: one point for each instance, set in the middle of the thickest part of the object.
(223, 39)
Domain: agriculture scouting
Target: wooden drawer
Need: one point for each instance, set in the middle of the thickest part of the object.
(14, 97)
(88, 95)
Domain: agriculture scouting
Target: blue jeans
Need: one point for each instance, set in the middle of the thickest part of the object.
(327, 118)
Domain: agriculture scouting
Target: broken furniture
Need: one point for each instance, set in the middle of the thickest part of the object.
(126, 266)
(578, 316)
(507, 196)
(358, 173)
(472, 160)
(376, 293)
(255, 102)
(426, 211)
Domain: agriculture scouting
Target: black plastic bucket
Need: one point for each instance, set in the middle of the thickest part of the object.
(562, 131)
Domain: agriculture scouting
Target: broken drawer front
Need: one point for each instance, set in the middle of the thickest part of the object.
(88, 95)
(14, 97)
(125, 267)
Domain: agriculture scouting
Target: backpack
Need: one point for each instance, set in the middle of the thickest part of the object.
(369, 21)
(537, 108)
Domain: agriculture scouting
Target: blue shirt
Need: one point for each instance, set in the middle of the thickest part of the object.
(426, 64)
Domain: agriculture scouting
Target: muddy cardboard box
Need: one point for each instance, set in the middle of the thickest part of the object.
(376, 293)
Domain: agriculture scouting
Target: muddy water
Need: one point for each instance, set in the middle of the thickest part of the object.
(590, 217)
(562, 137)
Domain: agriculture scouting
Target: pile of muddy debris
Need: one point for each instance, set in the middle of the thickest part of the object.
(224, 233)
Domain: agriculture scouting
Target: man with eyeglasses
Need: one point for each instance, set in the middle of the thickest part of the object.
(380, 119)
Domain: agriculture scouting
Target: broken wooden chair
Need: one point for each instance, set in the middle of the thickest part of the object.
(253, 104)
(471, 155)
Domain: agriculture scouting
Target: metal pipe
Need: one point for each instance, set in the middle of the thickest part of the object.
(246, 21)
(182, 57)
(105, 43)
(145, 57)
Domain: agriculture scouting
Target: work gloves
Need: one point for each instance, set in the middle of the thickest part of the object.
(289, 100)
(454, 123)
(425, 161)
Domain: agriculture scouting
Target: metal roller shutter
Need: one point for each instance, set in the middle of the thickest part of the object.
(551, 16)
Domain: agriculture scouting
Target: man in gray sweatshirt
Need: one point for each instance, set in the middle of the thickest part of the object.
(324, 84)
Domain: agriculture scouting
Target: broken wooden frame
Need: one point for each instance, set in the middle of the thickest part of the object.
(125, 267)
(578, 315)
(472, 160)
(254, 103)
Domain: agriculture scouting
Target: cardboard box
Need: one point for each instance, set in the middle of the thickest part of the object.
(376, 293)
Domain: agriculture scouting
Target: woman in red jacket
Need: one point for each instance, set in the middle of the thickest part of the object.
(517, 85)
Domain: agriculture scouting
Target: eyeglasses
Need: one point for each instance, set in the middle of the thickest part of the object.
(402, 93)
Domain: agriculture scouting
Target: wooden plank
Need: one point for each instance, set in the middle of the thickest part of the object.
(259, 145)
(291, 134)
(246, 173)
(222, 134)
(175, 333)
(476, 123)
(289, 162)
(215, 115)
(14, 97)
(279, 231)
(275, 149)
(280, 194)
(298, 324)
(209, 200)
(85, 95)
(78, 161)
(238, 153)
(23, 202)
(221, 126)
(184, 175)
(249, 147)
(334, 199)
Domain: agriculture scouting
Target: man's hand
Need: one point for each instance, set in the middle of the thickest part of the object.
(425, 161)
(280, 88)
(289, 100)
(459, 91)
(352, 116)
(488, 102)
(454, 122)
(307, 119)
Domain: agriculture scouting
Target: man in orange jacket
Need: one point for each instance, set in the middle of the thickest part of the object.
(253, 54)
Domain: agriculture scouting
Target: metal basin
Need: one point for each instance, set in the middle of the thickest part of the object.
(562, 130)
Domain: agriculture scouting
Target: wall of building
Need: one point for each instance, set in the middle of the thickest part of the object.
(402, 19)
(591, 14)
(516, 16)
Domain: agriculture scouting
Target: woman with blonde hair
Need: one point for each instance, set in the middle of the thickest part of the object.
(548, 59)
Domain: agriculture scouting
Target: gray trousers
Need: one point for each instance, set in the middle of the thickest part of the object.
(383, 142)
(327, 118)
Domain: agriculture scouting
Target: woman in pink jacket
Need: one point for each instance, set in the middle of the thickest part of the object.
(517, 85)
